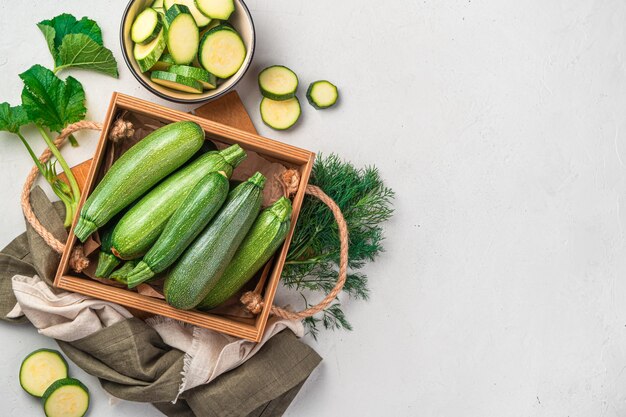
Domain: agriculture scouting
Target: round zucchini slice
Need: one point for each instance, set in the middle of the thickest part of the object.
(322, 94)
(146, 26)
(40, 369)
(222, 52)
(280, 115)
(176, 82)
(208, 80)
(278, 83)
(147, 55)
(66, 398)
(182, 34)
(216, 9)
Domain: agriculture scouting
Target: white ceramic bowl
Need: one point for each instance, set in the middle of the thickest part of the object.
(240, 19)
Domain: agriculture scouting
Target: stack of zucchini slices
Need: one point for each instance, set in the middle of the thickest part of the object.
(280, 108)
(44, 374)
(187, 45)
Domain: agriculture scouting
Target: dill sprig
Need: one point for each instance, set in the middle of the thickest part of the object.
(312, 261)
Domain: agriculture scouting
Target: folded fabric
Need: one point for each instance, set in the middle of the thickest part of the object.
(209, 354)
(139, 363)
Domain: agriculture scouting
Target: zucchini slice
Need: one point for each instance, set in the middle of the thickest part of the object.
(40, 369)
(176, 82)
(322, 94)
(208, 80)
(278, 83)
(147, 55)
(182, 34)
(216, 9)
(146, 26)
(201, 19)
(280, 115)
(222, 52)
(158, 4)
(164, 63)
(66, 397)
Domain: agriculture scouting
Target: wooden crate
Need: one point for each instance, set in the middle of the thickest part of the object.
(290, 156)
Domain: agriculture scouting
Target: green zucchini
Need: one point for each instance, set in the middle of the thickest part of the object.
(278, 83)
(280, 115)
(66, 397)
(136, 171)
(201, 19)
(222, 51)
(205, 78)
(216, 9)
(40, 369)
(322, 94)
(146, 27)
(147, 55)
(121, 275)
(176, 82)
(194, 213)
(183, 36)
(107, 262)
(137, 231)
(164, 63)
(266, 235)
(200, 267)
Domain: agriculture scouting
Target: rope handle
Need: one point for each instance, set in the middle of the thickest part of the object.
(252, 300)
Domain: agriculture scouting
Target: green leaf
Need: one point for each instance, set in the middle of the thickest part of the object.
(54, 30)
(77, 43)
(12, 118)
(51, 102)
(80, 51)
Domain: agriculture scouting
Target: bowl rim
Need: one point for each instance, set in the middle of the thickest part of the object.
(159, 94)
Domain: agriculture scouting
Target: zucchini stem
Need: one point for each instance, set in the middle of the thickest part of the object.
(68, 172)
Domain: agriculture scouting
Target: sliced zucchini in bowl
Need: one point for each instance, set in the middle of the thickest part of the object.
(216, 9)
(40, 369)
(146, 26)
(66, 397)
(176, 82)
(278, 82)
(208, 80)
(280, 115)
(322, 94)
(164, 63)
(222, 52)
(147, 55)
(182, 34)
(201, 19)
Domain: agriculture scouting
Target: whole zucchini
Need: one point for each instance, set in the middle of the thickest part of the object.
(193, 215)
(106, 260)
(137, 231)
(204, 261)
(136, 171)
(267, 233)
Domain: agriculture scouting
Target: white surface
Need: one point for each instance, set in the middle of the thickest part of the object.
(500, 124)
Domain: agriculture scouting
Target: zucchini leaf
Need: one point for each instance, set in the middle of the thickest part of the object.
(51, 102)
(77, 43)
(12, 118)
(80, 51)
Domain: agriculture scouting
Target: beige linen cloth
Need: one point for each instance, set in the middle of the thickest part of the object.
(69, 317)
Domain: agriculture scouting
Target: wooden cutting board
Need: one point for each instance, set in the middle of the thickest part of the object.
(228, 110)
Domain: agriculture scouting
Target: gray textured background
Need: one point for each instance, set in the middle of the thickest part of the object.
(501, 126)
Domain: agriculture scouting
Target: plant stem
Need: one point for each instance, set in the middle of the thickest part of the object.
(69, 207)
(32, 154)
(72, 141)
(68, 172)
